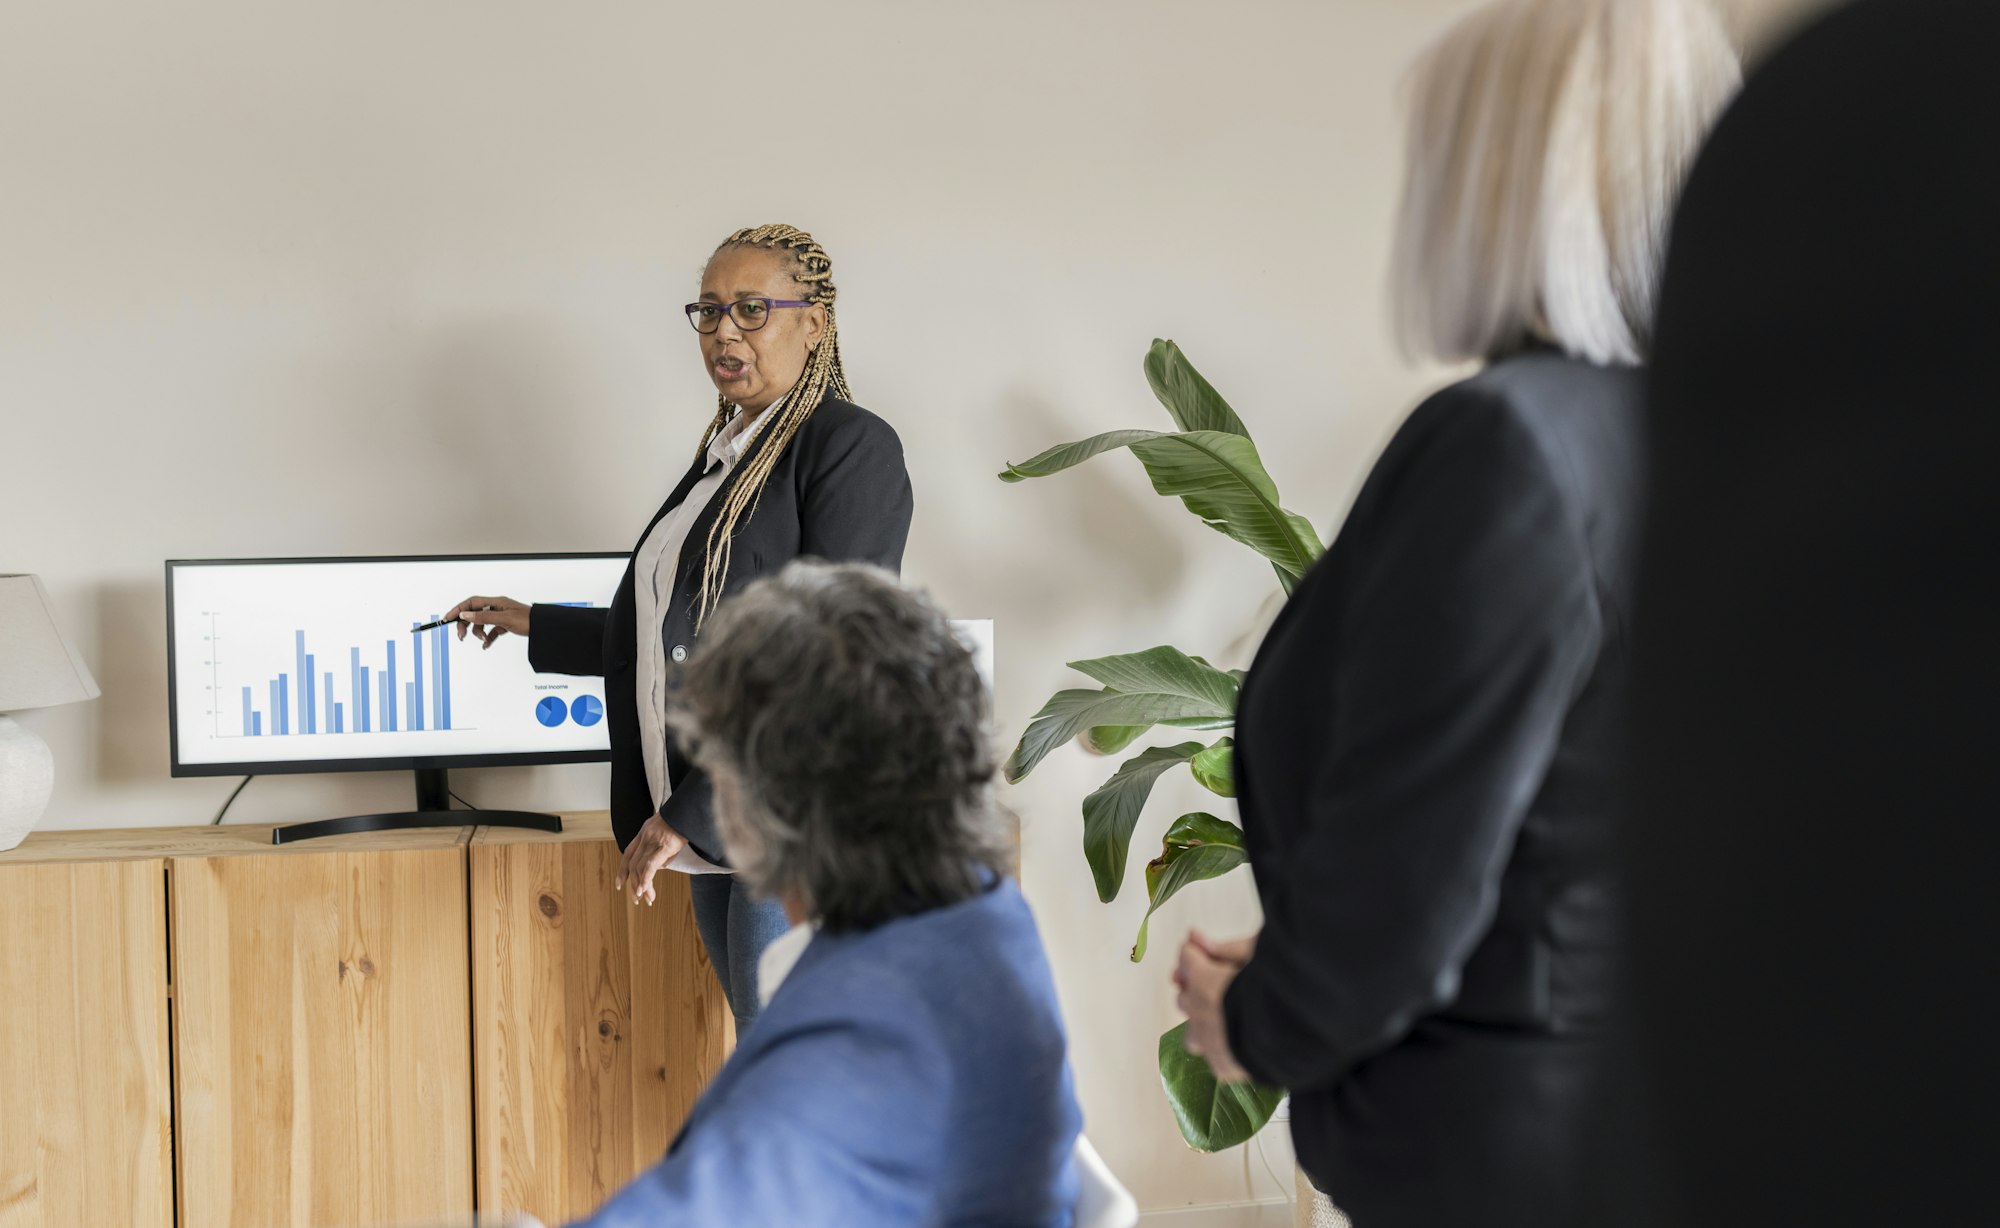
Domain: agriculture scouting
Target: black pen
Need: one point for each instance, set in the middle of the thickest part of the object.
(452, 622)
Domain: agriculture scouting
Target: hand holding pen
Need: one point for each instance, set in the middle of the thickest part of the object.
(488, 618)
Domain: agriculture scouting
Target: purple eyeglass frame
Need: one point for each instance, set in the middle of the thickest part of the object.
(730, 309)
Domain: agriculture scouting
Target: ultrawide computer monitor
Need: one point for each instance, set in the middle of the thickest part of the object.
(312, 665)
(319, 665)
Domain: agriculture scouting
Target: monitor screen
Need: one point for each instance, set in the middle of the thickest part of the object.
(312, 665)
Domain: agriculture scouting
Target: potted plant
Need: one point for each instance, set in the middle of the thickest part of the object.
(1210, 463)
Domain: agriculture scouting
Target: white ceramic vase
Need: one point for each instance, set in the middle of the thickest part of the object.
(27, 777)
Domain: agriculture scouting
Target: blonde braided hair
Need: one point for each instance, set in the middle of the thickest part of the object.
(813, 270)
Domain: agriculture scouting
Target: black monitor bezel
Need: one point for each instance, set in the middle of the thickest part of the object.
(402, 763)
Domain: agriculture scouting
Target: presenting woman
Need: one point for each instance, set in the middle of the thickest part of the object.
(1428, 738)
(788, 468)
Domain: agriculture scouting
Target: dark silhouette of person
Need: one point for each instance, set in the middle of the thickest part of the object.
(1812, 833)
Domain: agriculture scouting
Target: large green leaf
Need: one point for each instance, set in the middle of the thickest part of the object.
(1220, 478)
(1163, 671)
(1197, 847)
(1110, 739)
(1068, 713)
(1069, 455)
(1213, 1115)
(1215, 768)
(1199, 722)
(1192, 400)
(1304, 531)
(1112, 811)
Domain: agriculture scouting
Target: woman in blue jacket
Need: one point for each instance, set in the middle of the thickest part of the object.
(910, 1067)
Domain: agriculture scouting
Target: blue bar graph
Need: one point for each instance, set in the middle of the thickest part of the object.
(417, 676)
(389, 689)
(379, 700)
(444, 676)
(437, 686)
(304, 674)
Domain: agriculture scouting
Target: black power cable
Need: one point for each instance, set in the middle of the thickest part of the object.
(232, 798)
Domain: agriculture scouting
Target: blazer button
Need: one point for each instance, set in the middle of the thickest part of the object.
(680, 653)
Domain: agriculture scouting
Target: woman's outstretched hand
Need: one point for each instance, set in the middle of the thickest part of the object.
(489, 618)
(648, 854)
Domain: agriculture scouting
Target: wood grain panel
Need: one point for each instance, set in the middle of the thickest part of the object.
(230, 840)
(597, 1024)
(323, 1038)
(85, 1105)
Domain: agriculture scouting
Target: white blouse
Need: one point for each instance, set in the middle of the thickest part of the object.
(653, 571)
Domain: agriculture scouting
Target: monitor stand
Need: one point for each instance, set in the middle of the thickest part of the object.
(433, 810)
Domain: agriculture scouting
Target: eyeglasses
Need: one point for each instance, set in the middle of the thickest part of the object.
(750, 314)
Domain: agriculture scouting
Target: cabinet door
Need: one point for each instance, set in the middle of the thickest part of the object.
(596, 1024)
(322, 1038)
(84, 1104)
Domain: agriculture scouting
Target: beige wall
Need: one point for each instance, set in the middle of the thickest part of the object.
(251, 251)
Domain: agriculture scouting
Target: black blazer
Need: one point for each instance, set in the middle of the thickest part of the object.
(839, 492)
(1811, 824)
(1425, 755)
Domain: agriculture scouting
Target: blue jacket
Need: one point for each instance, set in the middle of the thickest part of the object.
(912, 1074)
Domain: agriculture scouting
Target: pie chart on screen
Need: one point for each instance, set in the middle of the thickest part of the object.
(551, 711)
(587, 710)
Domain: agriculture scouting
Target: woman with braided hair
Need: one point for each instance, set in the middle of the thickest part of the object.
(788, 467)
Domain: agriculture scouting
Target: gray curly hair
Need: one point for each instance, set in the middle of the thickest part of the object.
(845, 727)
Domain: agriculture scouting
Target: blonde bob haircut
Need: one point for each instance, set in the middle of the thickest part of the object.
(1547, 144)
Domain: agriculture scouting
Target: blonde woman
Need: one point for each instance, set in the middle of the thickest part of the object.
(788, 467)
(1427, 739)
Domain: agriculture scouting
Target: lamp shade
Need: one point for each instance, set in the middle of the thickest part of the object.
(38, 668)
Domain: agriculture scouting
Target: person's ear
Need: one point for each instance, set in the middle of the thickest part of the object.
(815, 326)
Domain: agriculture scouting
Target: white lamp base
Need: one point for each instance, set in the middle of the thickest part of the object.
(27, 778)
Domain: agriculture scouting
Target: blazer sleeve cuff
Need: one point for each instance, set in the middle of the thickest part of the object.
(1241, 1007)
(690, 811)
(566, 639)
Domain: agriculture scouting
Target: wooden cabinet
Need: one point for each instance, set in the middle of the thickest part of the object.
(321, 1036)
(595, 1023)
(84, 1101)
(364, 1030)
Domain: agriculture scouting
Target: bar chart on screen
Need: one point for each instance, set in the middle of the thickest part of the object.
(365, 695)
(290, 661)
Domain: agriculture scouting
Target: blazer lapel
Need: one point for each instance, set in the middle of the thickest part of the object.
(674, 500)
(696, 548)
